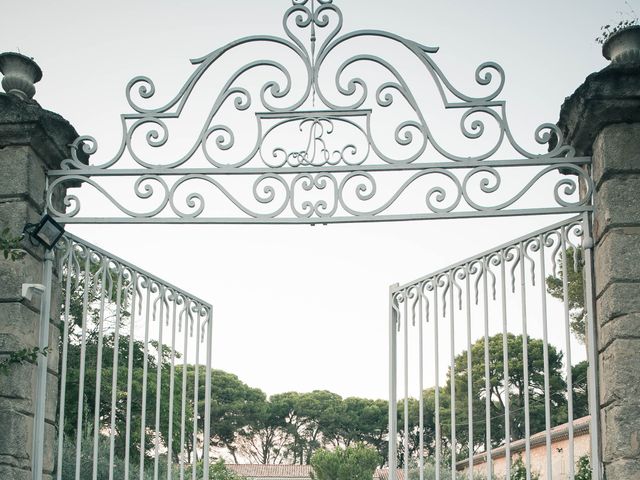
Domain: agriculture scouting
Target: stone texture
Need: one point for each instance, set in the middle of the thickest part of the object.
(618, 299)
(620, 377)
(17, 326)
(602, 118)
(623, 428)
(9, 472)
(29, 175)
(621, 327)
(26, 123)
(617, 148)
(16, 438)
(616, 257)
(607, 97)
(624, 469)
(617, 204)
(32, 140)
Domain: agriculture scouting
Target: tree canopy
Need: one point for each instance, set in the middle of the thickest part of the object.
(351, 463)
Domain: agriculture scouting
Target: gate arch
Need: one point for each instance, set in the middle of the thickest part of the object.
(345, 137)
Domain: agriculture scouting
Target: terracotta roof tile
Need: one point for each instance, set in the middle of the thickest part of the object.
(302, 472)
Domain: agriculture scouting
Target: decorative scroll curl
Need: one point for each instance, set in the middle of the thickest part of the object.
(315, 127)
(87, 266)
(516, 262)
(324, 197)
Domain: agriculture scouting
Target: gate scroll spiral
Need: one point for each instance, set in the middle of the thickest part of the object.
(356, 148)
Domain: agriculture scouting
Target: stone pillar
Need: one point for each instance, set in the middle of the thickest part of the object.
(602, 119)
(32, 140)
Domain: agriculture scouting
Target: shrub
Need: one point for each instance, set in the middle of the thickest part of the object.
(351, 463)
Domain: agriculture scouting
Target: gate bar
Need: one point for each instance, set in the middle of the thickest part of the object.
(41, 388)
(592, 350)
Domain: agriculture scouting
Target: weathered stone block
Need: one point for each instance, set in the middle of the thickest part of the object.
(18, 326)
(617, 383)
(19, 329)
(18, 384)
(623, 469)
(15, 214)
(50, 411)
(23, 176)
(16, 438)
(616, 257)
(14, 273)
(50, 448)
(622, 433)
(616, 151)
(617, 204)
(618, 299)
(622, 327)
(8, 472)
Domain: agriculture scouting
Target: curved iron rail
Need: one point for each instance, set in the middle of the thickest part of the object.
(336, 154)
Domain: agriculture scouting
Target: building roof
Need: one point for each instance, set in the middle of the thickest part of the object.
(281, 472)
(560, 432)
(271, 471)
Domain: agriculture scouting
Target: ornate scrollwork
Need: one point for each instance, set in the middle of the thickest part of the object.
(85, 264)
(518, 261)
(316, 131)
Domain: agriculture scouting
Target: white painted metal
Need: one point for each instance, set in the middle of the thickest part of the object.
(119, 300)
(41, 388)
(592, 351)
(527, 262)
(346, 137)
(393, 384)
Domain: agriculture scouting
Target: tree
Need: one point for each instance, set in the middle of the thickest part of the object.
(580, 385)
(362, 420)
(497, 394)
(352, 463)
(575, 290)
(429, 424)
(265, 439)
(311, 420)
(234, 406)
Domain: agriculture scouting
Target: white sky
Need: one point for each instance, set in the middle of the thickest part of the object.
(300, 307)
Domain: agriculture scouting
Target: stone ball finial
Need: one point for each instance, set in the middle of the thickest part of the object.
(623, 46)
(20, 73)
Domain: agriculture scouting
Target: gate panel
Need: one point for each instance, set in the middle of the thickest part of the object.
(496, 379)
(135, 369)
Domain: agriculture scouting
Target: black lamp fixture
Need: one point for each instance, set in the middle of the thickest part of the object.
(47, 232)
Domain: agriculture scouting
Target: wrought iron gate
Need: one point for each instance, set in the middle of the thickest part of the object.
(360, 147)
(477, 332)
(135, 371)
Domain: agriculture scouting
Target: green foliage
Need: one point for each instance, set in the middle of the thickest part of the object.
(352, 463)
(519, 471)
(103, 464)
(580, 393)
(627, 19)
(583, 468)
(445, 473)
(575, 290)
(29, 355)
(217, 471)
(11, 245)
(517, 388)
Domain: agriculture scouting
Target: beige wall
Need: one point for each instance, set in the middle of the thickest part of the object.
(559, 459)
